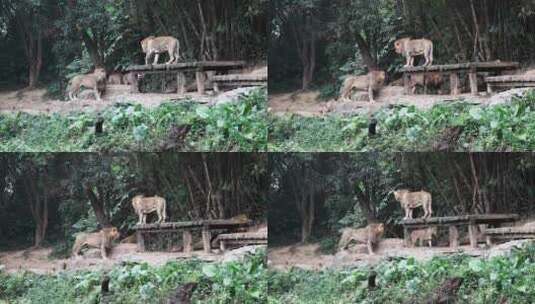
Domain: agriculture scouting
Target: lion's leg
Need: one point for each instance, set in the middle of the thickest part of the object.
(410, 213)
(370, 247)
(147, 58)
(76, 250)
(171, 57)
(140, 215)
(156, 57)
(406, 213)
(408, 60)
(97, 94)
(103, 250)
(164, 213)
(370, 94)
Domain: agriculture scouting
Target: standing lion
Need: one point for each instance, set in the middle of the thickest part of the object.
(95, 81)
(157, 45)
(411, 200)
(101, 239)
(145, 205)
(411, 48)
(369, 235)
(371, 82)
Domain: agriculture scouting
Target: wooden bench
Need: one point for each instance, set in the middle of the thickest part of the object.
(452, 222)
(509, 81)
(237, 80)
(453, 70)
(241, 239)
(201, 69)
(207, 228)
(509, 233)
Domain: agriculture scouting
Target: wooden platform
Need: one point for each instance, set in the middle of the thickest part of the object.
(509, 81)
(207, 228)
(452, 222)
(201, 68)
(510, 233)
(453, 70)
(238, 80)
(245, 238)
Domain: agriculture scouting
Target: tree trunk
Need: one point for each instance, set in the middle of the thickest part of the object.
(364, 51)
(98, 206)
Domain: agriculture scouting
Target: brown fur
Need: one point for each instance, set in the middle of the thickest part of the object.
(411, 48)
(411, 200)
(94, 81)
(370, 235)
(101, 239)
(132, 239)
(371, 82)
(423, 235)
(430, 79)
(157, 45)
(115, 78)
(145, 205)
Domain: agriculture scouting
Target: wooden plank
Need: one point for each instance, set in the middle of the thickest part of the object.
(510, 230)
(479, 66)
(206, 239)
(190, 66)
(213, 224)
(186, 241)
(472, 78)
(201, 79)
(181, 83)
(490, 218)
(454, 236)
(454, 84)
(511, 78)
(239, 77)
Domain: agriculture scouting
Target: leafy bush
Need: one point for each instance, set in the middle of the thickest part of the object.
(496, 280)
(507, 127)
(237, 126)
(232, 282)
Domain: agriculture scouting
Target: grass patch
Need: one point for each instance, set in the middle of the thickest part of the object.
(507, 127)
(238, 126)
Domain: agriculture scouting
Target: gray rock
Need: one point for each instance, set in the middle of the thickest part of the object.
(507, 96)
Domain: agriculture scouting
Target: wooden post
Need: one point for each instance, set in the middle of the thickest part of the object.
(134, 88)
(186, 241)
(425, 83)
(140, 241)
(206, 238)
(406, 83)
(222, 245)
(209, 75)
(180, 83)
(472, 234)
(454, 236)
(406, 236)
(454, 84)
(472, 77)
(201, 78)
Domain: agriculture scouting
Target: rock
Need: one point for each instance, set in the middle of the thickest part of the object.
(505, 248)
(240, 253)
(507, 96)
(232, 95)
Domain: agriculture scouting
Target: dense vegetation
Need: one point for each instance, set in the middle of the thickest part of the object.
(47, 198)
(48, 41)
(314, 43)
(184, 126)
(312, 196)
(504, 279)
(232, 282)
(455, 126)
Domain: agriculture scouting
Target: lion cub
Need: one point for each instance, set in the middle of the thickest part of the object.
(101, 239)
(369, 235)
(423, 235)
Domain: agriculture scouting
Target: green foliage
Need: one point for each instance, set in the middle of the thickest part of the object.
(231, 282)
(237, 126)
(506, 127)
(408, 281)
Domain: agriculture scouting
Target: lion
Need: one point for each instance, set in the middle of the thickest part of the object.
(411, 200)
(145, 205)
(411, 48)
(95, 81)
(429, 79)
(115, 78)
(368, 235)
(423, 235)
(373, 81)
(101, 239)
(157, 45)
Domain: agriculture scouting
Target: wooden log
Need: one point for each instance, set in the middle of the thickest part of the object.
(201, 78)
(472, 234)
(479, 66)
(472, 77)
(454, 84)
(454, 236)
(181, 83)
(407, 83)
(206, 239)
(140, 241)
(186, 241)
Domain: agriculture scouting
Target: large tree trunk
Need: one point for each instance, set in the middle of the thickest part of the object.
(98, 206)
(38, 209)
(33, 45)
(364, 51)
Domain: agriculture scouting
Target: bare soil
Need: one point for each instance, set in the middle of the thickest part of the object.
(309, 256)
(39, 261)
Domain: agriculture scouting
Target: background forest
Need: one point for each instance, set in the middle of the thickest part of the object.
(315, 42)
(47, 41)
(47, 198)
(312, 196)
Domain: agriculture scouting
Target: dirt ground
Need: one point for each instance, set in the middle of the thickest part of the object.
(308, 103)
(309, 256)
(38, 260)
(35, 102)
